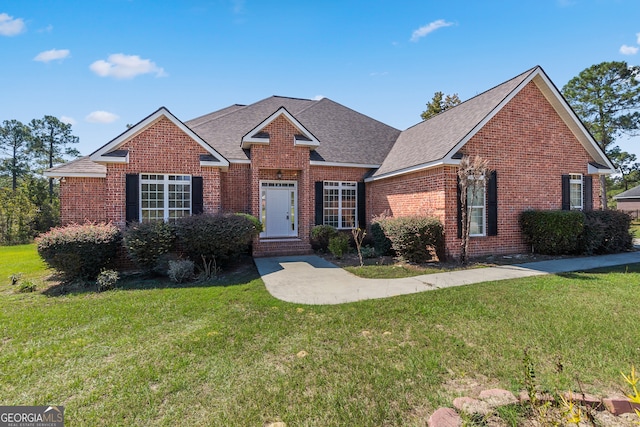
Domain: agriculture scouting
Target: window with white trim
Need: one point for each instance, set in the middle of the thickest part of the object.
(575, 191)
(476, 196)
(164, 197)
(340, 204)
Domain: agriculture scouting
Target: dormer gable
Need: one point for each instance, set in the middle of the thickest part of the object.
(258, 135)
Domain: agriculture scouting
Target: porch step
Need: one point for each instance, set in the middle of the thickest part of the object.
(280, 247)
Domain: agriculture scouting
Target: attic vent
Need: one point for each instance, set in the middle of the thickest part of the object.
(262, 135)
(117, 153)
(208, 158)
(301, 138)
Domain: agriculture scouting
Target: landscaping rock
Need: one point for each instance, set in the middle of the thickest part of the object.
(620, 405)
(472, 406)
(497, 397)
(445, 417)
(585, 399)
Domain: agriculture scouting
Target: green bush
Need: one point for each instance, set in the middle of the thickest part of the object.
(339, 245)
(553, 232)
(414, 238)
(256, 222)
(214, 238)
(381, 242)
(80, 251)
(147, 242)
(606, 232)
(321, 235)
(107, 280)
(26, 287)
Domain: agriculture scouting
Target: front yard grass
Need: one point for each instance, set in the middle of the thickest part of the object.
(227, 353)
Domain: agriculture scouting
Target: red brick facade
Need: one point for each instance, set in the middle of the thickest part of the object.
(82, 200)
(526, 142)
(529, 147)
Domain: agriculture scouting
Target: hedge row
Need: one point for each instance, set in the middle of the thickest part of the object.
(82, 251)
(575, 232)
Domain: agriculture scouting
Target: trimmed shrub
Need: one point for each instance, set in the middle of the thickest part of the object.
(339, 245)
(321, 235)
(107, 280)
(256, 222)
(80, 251)
(214, 238)
(381, 242)
(606, 232)
(181, 270)
(413, 238)
(553, 232)
(147, 242)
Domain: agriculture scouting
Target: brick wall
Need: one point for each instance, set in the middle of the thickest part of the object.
(82, 200)
(161, 148)
(530, 148)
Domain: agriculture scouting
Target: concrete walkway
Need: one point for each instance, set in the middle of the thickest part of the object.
(313, 280)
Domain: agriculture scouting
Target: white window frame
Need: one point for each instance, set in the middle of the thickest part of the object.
(166, 180)
(576, 180)
(342, 187)
(482, 207)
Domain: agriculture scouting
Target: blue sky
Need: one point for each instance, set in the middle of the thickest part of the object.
(103, 64)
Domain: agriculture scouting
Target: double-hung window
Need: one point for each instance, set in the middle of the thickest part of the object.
(476, 207)
(340, 204)
(575, 191)
(164, 197)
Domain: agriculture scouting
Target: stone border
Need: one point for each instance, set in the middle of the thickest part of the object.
(489, 400)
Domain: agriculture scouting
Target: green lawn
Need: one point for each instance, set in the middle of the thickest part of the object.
(230, 354)
(635, 229)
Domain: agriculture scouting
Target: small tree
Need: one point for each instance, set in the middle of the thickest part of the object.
(438, 104)
(472, 174)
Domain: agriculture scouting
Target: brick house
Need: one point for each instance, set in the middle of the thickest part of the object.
(295, 163)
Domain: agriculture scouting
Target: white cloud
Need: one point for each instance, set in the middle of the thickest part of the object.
(318, 97)
(121, 66)
(638, 36)
(10, 26)
(51, 55)
(46, 29)
(101, 117)
(429, 28)
(628, 50)
(68, 120)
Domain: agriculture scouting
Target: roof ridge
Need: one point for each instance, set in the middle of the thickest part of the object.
(528, 72)
(351, 109)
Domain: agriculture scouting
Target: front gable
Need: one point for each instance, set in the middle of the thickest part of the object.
(117, 151)
(259, 135)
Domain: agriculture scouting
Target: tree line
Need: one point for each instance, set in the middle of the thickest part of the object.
(29, 203)
(606, 97)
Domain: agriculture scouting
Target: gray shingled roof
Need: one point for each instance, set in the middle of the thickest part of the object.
(632, 193)
(79, 166)
(433, 139)
(345, 135)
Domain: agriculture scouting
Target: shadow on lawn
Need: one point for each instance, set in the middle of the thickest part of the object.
(241, 272)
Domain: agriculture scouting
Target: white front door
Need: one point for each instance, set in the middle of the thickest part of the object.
(278, 208)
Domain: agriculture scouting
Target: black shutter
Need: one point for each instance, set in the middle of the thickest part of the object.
(362, 202)
(566, 193)
(587, 189)
(132, 198)
(492, 204)
(319, 186)
(459, 207)
(197, 202)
